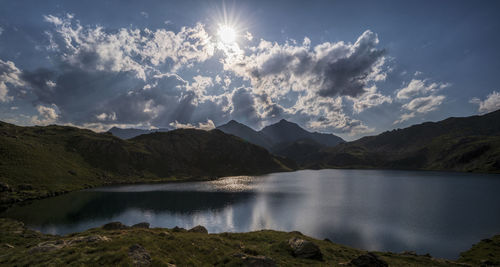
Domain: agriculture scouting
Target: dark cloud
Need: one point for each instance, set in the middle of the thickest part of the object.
(244, 107)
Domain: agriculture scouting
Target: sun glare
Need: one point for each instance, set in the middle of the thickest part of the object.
(227, 34)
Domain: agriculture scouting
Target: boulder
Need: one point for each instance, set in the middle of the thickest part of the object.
(304, 249)
(139, 255)
(114, 226)
(368, 260)
(144, 225)
(198, 229)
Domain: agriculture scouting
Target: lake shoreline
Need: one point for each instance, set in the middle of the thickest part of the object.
(112, 244)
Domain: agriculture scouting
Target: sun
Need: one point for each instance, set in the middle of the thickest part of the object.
(227, 34)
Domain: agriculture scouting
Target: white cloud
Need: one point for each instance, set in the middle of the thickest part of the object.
(46, 115)
(419, 87)
(144, 14)
(424, 104)
(491, 103)
(248, 36)
(10, 77)
(404, 117)
(111, 116)
(369, 99)
(207, 126)
(124, 50)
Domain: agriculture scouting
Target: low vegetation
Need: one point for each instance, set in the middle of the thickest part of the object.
(117, 245)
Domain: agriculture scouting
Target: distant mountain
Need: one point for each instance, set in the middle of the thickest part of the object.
(43, 160)
(278, 136)
(460, 144)
(246, 133)
(127, 133)
(287, 132)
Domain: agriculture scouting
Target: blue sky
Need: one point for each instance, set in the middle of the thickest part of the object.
(352, 68)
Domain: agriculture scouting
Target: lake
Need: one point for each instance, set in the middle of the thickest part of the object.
(428, 212)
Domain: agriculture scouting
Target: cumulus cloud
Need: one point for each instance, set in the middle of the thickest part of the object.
(207, 126)
(329, 69)
(128, 50)
(491, 103)
(369, 99)
(46, 115)
(310, 79)
(10, 78)
(419, 87)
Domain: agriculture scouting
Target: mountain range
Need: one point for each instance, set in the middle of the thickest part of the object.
(127, 133)
(45, 160)
(41, 161)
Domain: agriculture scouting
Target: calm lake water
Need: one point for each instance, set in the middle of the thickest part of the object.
(427, 212)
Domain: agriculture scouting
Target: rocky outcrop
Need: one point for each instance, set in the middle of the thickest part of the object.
(139, 255)
(304, 249)
(368, 260)
(198, 229)
(144, 225)
(114, 226)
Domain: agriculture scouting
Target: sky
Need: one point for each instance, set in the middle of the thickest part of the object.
(351, 68)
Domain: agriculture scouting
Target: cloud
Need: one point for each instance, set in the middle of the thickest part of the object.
(424, 104)
(46, 115)
(369, 99)
(491, 103)
(404, 117)
(1, 30)
(419, 87)
(10, 78)
(308, 80)
(329, 69)
(128, 50)
(144, 14)
(207, 126)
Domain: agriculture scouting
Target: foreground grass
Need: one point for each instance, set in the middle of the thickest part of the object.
(20, 246)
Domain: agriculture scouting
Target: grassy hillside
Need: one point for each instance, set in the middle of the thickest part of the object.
(168, 247)
(44, 161)
(470, 144)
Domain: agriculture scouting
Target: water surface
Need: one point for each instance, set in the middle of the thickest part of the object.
(427, 212)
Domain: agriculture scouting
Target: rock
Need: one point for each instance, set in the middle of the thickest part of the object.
(7, 245)
(178, 230)
(327, 240)
(139, 255)
(114, 226)
(144, 225)
(295, 233)
(198, 229)
(368, 260)
(48, 246)
(304, 249)
(255, 261)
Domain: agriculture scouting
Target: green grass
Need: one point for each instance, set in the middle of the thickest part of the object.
(179, 248)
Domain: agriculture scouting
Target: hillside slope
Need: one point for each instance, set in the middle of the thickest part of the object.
(457, 144)
(42, 161)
